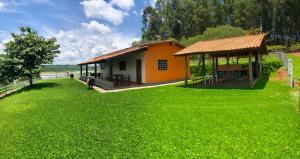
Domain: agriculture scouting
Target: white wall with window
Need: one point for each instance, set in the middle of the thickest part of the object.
(125, 65)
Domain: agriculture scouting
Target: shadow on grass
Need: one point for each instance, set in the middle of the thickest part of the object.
(260, 84)
(37, 86)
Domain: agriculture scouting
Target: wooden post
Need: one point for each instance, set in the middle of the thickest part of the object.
(95, 71)
(260, 64)
(217, 68)
(203, 65)
(111, 70)
(257, 65)
(227, 65)
(250, 70)
(87, 70)
(186, 69)
(214, 70)
(80, 70)
(217, 64)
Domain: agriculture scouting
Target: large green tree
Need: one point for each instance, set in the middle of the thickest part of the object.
(186, 18)
(27, 52)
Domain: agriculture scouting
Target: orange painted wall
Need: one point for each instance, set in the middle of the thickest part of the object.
(176, 65)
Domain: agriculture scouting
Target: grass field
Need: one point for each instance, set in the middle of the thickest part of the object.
(63, 119)
(296, 65)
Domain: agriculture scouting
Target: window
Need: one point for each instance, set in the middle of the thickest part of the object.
(162, 65)
(122, 66)
(102, 66)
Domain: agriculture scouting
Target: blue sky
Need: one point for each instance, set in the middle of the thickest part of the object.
(83, 28)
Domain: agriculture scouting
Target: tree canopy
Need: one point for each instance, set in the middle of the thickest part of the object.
(26, 53)
(224, 31)
(188, 18)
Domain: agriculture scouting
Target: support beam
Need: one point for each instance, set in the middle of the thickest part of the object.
(227, 65)
(186, 70)
(260, 64)
(203, 65)
(111, 70)
(250, 70)
(257, 65)
(80, 70)
(214, 68)
(217, 64)
(217, 68)
(95, 71)
(87, 70)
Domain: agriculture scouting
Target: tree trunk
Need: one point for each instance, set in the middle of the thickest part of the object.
(30, 80)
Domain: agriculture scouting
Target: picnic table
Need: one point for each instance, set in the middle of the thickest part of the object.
(232, 68)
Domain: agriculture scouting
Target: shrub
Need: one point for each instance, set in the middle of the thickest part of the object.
(295, 47)
(271, 63)
(72, 76)
(274, 48)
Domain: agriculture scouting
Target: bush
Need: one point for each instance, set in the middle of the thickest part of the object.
(271, 63)
(295, 47)
(72, 76)
(275, 48)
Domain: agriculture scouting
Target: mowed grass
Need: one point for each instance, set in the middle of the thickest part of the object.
(296, 65)
(63, 119)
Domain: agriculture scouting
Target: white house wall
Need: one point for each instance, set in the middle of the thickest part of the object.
(130, 60)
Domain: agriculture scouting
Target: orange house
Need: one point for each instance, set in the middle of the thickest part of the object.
(146, 63)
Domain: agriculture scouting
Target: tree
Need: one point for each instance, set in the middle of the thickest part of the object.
(28, 52)
(187, 18)
(8, 70)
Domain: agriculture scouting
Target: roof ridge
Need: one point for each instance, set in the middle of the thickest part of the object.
(242, 36)
(115, 51)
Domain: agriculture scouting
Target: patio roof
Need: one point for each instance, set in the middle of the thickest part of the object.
(133, 49)
(243, 44)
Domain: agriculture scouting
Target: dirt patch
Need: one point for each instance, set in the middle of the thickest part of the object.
(296, 54)
(281, 75)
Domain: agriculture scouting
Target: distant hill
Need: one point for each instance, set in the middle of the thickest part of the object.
(61, 68)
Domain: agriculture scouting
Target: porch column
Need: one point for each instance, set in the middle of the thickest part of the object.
(95, 69)
(111, 70)
(214, 69)
(250, 70)
(186, 69)
(80, 70)
(203, 65)
(260, 64)
(227, 65)
(257, 65)
(87, 69)
(217, 64)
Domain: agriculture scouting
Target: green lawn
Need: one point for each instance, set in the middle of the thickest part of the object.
(296, 65)
(63, 119)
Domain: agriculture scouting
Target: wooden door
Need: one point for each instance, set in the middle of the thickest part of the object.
(138, 71)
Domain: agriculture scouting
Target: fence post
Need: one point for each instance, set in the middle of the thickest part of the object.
(290, 71)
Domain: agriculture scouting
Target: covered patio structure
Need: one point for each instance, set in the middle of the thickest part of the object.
(105, 71)
(233, 61)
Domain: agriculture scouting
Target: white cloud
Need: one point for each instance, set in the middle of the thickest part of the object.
(103, 10)
(4, 38)
(152, 2)
(123, 4)
(94, 26)
(135, 13)
(80, 45)
(2, 6)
